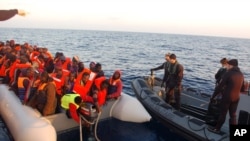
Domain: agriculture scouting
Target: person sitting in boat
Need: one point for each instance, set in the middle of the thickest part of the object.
(69, 83)
(173, 82)
(98, 70)
(83, 85)
(231, 83)
(71, 103)
(221, 71)
(16, 64)
(24, 84)
(99, 92)
(44, 100)
(73, 66)
(48, 63)
(92, 66)
(164, 66)
(7, 14)
(5, 68)
(115, 85)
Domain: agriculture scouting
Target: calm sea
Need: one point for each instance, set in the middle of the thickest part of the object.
(135, 53)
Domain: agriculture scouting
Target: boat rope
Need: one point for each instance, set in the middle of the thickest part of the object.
(203, 128)
(91, 123)
(111, 109)
(95, 128)
(193, 128)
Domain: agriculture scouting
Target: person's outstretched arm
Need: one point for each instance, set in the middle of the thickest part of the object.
(7, 14)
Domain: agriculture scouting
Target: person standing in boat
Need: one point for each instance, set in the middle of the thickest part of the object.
(221, 71)
(231, 84)
(164, 66)
(173, 82)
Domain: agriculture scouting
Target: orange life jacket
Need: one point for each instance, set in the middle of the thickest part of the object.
(33, 55)
(22, 92)
(59, 83)
(101, 95)
(66, 63)
(83, 90)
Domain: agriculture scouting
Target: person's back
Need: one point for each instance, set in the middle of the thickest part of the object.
(70, 102)
(231, 84)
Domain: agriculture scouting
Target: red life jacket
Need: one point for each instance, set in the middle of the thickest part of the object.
(101, 95)
(59, 82)
(21, 89)
(66, 63)
(83, 90)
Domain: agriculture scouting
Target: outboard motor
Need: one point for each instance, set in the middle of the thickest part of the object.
(88, 112)
(88, 115)
(213, 112)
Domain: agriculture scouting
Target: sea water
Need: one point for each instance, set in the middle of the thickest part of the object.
(135, 54)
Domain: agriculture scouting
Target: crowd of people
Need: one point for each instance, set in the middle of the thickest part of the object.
(42, 81)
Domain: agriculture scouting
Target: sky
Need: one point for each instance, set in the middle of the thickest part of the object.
(228, 18)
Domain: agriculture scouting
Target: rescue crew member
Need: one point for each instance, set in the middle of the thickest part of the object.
(173, 82)
(221, 71)
(231, 83)
(71, 102)
(164, 66)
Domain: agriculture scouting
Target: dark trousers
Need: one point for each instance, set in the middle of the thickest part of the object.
(173, 97)
(224, 107)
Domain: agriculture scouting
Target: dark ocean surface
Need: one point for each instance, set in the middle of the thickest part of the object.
(134, 54)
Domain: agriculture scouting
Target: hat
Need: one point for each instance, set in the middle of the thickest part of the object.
(233, 62)
(172, 56)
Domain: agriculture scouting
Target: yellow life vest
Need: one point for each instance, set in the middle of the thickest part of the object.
(67, 99)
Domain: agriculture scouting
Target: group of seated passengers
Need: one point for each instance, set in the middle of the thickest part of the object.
(41, 80)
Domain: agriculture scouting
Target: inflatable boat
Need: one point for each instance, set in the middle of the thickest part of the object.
(192, 120)
(27, 124)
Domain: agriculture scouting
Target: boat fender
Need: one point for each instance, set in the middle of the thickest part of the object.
(130, 109)
(23, 122)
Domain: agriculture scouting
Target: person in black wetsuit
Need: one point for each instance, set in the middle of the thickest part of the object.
(221, 71)
(231, 84)
(164, 66)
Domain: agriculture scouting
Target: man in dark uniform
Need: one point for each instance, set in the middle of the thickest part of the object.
(221, 71)
(173, 82)
(164, 66)
(231, 84)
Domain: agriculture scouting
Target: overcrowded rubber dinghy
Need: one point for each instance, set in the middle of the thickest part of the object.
(27, 124)
(192, 120)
